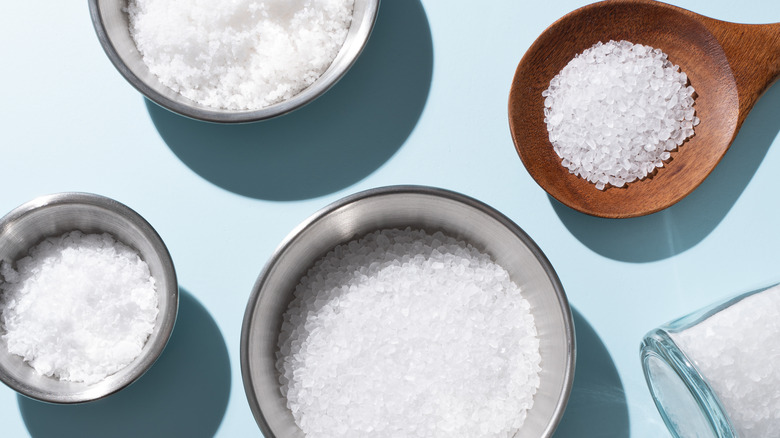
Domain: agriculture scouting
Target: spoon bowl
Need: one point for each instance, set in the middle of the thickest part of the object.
(729, 65)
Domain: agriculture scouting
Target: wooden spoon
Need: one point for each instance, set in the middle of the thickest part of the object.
(730, 66)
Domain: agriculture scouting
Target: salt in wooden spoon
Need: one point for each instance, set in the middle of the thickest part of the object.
(730, 65)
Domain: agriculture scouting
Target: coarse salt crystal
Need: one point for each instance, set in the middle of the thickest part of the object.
(79, 307)
(404, 333)
(238, 54)
(616, 110)
(737, 350)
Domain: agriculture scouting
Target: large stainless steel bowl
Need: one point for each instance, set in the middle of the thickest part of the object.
(111, 24)
(419, 207)
(55, 215)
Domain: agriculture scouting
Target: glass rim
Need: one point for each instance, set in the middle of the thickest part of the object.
(659, 345)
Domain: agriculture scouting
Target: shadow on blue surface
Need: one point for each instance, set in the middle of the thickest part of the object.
(683, 225)
(597, 406)
(333, 142)
(184, 394)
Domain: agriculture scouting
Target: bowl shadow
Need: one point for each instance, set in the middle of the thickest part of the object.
(598, 401)
(185, 393)
(683, 225)
(335, 141)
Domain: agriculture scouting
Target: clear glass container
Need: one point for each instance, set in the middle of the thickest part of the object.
(716, 372)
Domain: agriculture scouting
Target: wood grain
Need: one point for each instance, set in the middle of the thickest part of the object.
(730, 66)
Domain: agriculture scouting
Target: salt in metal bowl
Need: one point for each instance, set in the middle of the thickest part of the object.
(111, 24)
(55, 215)
(433, 210)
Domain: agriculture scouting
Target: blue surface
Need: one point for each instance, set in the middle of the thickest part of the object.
(426, 104)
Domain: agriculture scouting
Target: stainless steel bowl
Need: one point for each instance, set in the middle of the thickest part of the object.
(111, 25)
(419, 207)
(54, 215)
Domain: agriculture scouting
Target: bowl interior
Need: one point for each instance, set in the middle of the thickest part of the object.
(56, 215)
(111, 23)
(461, 218)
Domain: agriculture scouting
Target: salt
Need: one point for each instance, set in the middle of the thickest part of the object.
(616, 111)
(405, 333)
(238, 54)
(79, 307)
(737, 350)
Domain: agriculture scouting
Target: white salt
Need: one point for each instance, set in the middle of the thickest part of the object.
(79, 307)
(238, 54)
(616, 112)
(737, 351)
(402, 333)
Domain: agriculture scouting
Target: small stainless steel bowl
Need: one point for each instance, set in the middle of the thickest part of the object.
(55, 215)
(111, 24)
(418, 207)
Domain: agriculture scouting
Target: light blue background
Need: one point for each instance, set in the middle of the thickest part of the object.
(223, 197)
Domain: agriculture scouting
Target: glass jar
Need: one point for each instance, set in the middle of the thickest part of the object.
(716, 372)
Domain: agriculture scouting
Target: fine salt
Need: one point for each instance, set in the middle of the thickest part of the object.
(404, 333)
(79, 308)
(616, 112)
(238, 54)
(737, 350)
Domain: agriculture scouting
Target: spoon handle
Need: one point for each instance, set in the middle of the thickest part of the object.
(753, 52)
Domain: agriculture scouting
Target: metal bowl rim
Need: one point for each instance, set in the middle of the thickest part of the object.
(90, 199)
(216, 115)
(292, 237)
